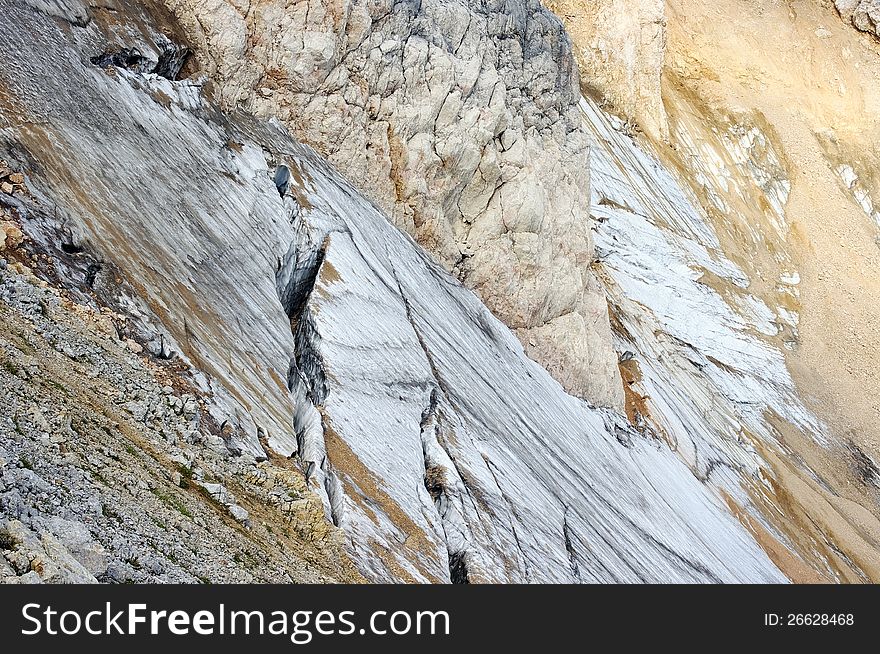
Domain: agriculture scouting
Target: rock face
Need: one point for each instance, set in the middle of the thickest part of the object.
(460, 120)
(620, 45)
(863, 14)
(315, 329)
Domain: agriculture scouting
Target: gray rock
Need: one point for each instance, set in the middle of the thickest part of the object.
(30, 578)
(863, 14)
(239, 513)
(76, 537)
(6, 570)
(218, 492)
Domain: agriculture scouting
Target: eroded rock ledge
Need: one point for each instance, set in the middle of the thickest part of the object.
(863, 14)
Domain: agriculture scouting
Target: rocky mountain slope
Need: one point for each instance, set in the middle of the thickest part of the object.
(109, 472)
(367, 290)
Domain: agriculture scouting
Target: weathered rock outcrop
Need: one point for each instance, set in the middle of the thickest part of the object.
(106, 468)
(620, 46)
(863, 14)
(460, 120)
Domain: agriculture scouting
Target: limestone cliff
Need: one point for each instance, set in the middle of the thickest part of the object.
(620, 45)
(307, 276)
(863, 14)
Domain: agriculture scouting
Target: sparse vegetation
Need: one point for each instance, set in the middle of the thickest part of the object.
(186, 475)
(22, 344)
(173, 502)
(58, 387)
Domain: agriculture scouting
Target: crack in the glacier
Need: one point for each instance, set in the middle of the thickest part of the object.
(307, 363)
(458, 568)
(512, 515)
(443, 388)
(569, 546)
(648, 537)
(306, 368)
(169, 64)
(436, 485)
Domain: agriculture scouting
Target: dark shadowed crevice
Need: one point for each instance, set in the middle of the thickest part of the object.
(458, 568)
(295, 280)
(170, 63)
(128, 58)
(92, 274)
(569, 547)
(294, 283)
(70, 248)
(308, 363)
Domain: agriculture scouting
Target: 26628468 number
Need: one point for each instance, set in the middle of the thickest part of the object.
(819, 619)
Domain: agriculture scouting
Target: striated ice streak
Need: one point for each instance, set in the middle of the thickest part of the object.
(709, 379)
(860, 194)
(538, 486)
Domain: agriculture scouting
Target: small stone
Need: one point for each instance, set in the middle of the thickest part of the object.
(16, 178)
(10, 235)
(190, 407)
(7, 188)
(30, 578)
(39, 419)
(133, 346)
(219, 492)
(239, 513)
